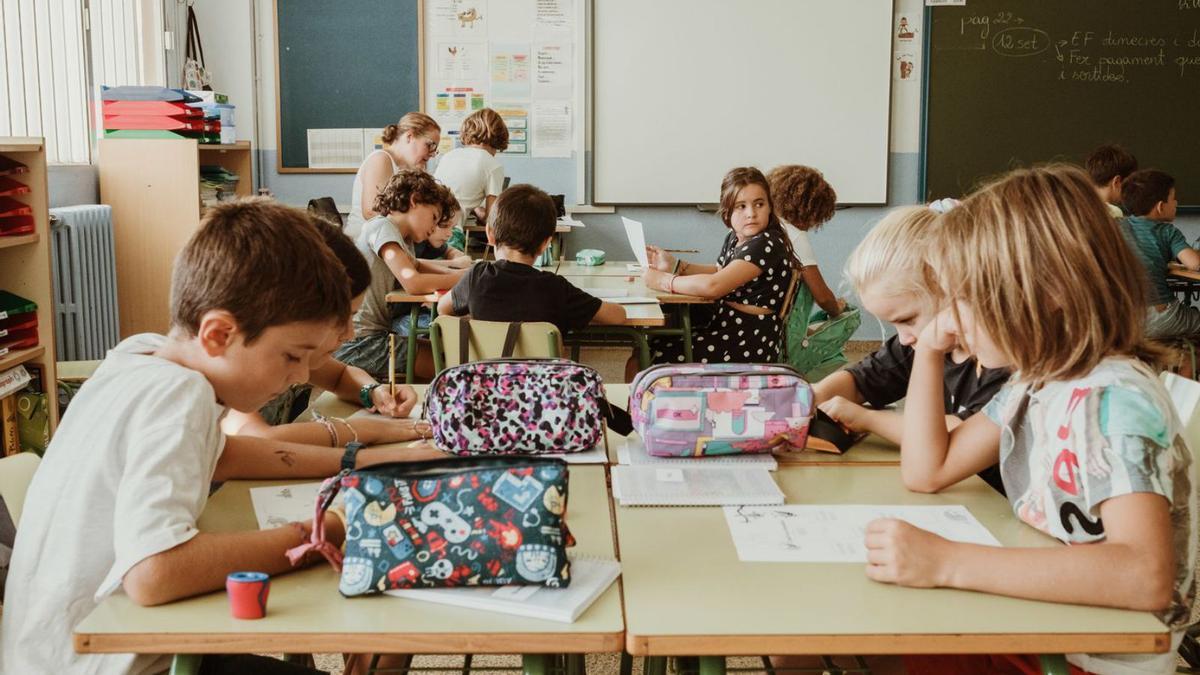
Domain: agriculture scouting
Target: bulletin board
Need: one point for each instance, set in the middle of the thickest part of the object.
(523, 58)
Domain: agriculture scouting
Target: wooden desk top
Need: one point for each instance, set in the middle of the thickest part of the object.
(646, 315)
(1180, 272)
(686, 592)
(305, 612)
(612, 268)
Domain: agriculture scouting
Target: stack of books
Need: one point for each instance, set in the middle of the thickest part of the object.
(24, 418)
(217, 184)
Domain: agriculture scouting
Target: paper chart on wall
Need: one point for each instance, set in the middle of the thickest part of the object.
(551, 129)
(462, 61)
(462, 18)
(834, 533)
(555, 16)
(637, 241)
(516, 118)
(509, 70)
(553, 68)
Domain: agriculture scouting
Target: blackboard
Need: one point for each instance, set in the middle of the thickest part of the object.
(1016, 82)
(343, 64)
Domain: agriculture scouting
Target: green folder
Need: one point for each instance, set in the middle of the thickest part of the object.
(12, 305)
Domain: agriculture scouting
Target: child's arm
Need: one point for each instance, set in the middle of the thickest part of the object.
(609, 314)
(481, 212)
(407, 272)
(712, 285)
(368, 430)
(886, 423)
(247, 457)
(931, 457)
(1190, 259)
(665, 262)
(455, 303)
(822, 295)
(1132, 568)
(841, 384)
(200, 564)
(347, 381)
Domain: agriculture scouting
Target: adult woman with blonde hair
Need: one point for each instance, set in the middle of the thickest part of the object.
(407, 144)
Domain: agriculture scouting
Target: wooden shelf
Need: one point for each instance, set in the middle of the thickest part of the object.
(19, 356)
(20, 144)
(240, 145)
(19, 240)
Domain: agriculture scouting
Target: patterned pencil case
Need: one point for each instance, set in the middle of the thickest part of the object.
(484, 522)
(695, 409)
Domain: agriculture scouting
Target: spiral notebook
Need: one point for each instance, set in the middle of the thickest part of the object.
(632, 451)
(590, 577)
(692, 486)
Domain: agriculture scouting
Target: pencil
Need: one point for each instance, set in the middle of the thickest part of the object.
(392, 365)
(681, 250)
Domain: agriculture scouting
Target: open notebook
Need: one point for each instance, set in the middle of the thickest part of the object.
(589, 578)
(691, 486)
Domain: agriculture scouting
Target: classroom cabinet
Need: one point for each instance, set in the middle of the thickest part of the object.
(153, 186)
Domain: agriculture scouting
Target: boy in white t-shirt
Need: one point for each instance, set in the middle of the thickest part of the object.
(256, 296)
(804, 201)
(472, 172)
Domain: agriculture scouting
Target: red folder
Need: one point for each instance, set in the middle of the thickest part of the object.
(153, 122)
(14, 225)
(19, 322)
(11, 186)
(12, 207)
(151, 108)
(9, 166)
(19, 339)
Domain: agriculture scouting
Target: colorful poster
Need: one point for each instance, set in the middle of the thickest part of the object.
(510, 76)
(516, 118)
(553, 71)
(904, 67)
(459, 62)
(460, 18)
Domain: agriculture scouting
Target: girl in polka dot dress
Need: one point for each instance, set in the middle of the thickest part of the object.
(748, 285)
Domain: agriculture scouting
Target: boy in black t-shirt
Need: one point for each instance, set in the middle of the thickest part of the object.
(520, 227)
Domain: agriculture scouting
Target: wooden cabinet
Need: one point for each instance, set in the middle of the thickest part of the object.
(153, 186)
(25, 263)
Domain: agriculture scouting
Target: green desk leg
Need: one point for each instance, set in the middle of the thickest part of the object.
(410, 359)
(576, 664)
(642, 345)
(537, 664)
(1054, 664)
(686, 321)
(712, 665)
(186, 664)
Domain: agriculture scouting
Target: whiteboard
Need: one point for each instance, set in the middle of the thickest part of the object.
(685, 90)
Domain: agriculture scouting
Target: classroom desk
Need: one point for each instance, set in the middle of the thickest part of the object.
(1184, 281)
(306, 613)
(556, 244)
(612, 268)
(686, 592)
(871, 451)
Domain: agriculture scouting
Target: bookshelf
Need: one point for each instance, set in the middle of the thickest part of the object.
(25, 267)
(153, 186)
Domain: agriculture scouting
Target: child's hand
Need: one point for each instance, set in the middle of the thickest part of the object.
(400, 406)
(480, 214)
(846, 413)
(660, 259)
(903, 554)
(657, 280)
(941, 333)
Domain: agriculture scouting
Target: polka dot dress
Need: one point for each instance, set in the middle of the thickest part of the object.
(732, 336)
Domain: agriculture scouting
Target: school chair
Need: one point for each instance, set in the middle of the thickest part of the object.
(16, 471)
(813, 342)
(325, 207)
(457, 340)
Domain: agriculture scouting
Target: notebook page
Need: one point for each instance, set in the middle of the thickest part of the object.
(632, 451)
(691, 486)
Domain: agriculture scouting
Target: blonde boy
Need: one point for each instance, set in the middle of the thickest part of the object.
(112, 509)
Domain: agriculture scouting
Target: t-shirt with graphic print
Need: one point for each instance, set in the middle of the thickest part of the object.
(1069, 446)
(768, 251)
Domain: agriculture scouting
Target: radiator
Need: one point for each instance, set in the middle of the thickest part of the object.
(85, 282)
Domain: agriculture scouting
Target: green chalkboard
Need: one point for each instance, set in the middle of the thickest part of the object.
(1015, 82)
(344, 64)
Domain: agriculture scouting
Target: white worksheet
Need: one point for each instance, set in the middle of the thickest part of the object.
(637, 240)
(834, 532)
(277, 506)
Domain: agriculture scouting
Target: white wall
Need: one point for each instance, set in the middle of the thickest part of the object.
(227, 36)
